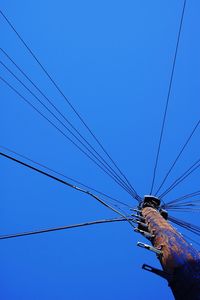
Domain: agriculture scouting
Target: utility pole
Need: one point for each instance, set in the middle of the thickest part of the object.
(179, 260)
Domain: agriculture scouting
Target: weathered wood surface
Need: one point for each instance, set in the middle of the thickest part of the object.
(179, 259)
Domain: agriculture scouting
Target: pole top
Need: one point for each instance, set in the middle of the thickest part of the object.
(150, 201)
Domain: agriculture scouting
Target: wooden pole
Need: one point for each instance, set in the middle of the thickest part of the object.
(179, 260)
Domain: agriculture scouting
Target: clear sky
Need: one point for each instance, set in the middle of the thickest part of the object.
(113, 61)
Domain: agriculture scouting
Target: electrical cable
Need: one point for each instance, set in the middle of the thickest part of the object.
(57, 128)
(168, 97)
(27, 233)
(197, 193)
(95, 157)
(178, 181)
(188, 226)
(67, 184)
(64, 176)
(64, 97)
(178, 156)
(52, 105)
(192, 240)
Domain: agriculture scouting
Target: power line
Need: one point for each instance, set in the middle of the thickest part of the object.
(185, 210)
(192, 240)
(52, 105)
(109, 169)
(181, 205)
(179, 180)
(57, 128)
(65, 98)
(26, 233)
(67, 184)
(168, 97)
(178, 156)
(191, 206)
(197, 193)
(188, 226)
(64, 176)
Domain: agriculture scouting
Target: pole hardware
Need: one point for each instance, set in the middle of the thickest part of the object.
(142, 226)
(139, 217)
(136, 210)
(154, 202)
(164, 213)
(158, 272)
(150, 248)
(150, 201)
(147, 235)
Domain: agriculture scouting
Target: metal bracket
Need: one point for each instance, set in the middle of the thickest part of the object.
(150, 248)
(138, 217)
(158, 272)
(136, 210)
(142, 226)
(144, 233)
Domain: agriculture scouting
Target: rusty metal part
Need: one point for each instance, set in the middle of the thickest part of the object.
(179, 259)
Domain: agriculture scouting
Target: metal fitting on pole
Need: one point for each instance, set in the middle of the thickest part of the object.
(150, 248)
(138, 217)
(158, 272)
(147, 235)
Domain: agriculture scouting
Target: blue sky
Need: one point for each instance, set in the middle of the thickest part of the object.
(113, 60)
